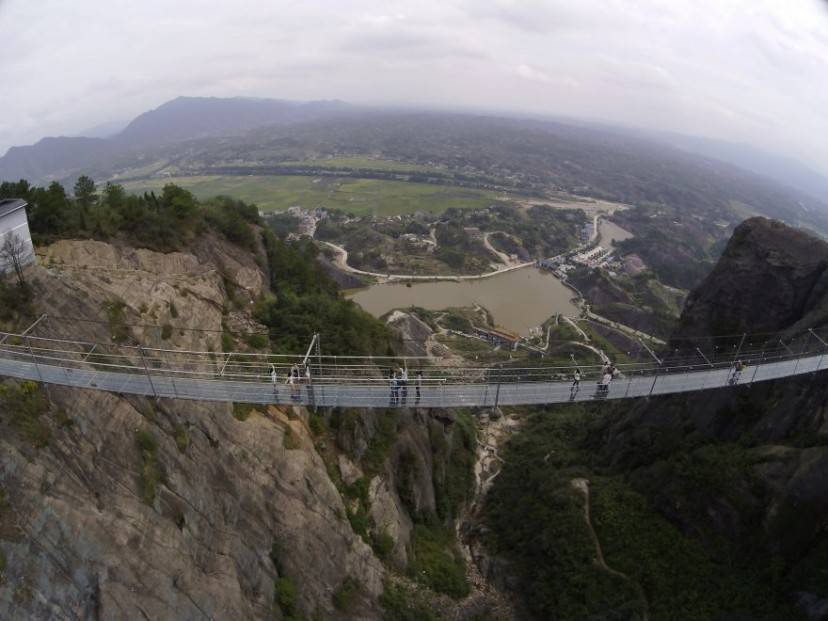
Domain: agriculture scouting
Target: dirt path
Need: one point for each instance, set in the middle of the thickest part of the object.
(582, 487)
(504, 258)
(342, 263)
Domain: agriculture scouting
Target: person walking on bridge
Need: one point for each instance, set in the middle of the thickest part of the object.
(738, 367)
(392, 380)
(576, 384)
(309, 385)
(404, 383)
(274, 380)
(604, 385)
(418, 383)
(293, 381)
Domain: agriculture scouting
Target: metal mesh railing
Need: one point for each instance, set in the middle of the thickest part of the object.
(363, 381)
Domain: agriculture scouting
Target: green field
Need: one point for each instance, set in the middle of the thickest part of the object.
(364, 163)
(376, 197)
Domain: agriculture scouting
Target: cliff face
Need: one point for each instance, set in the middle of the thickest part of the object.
(185, 510)
(770, 278)
(710, 505)
(770, 439)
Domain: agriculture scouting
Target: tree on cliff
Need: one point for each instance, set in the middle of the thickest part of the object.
(85, 196)
(12, 253)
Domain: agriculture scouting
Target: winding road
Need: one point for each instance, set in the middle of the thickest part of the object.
(342, 263)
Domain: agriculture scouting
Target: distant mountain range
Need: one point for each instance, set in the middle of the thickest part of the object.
(785, 170)
(184, 118)
(198, 132)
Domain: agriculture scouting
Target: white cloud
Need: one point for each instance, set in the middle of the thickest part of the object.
(743, 70)
(530, 73)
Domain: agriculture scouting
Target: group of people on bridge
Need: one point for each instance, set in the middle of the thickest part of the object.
(608, 373)
(399, 385)
(294, 380)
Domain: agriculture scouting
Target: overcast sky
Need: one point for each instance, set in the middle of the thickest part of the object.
(753, 71)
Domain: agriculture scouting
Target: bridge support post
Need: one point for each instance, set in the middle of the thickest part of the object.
(824, 346)
(761, 360)
(497, 396)
(34, 360)
(655, 379)
(739, 349)
(146, 370)
(796, 365)
(706, 359)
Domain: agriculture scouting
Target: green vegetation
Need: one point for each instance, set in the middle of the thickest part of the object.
(116, 316)
(361, 163)
(152, 472)
(316, 424)
(284, 596)
(453, 465)
(307, 301)
(22, 405)
(242, 411)
(378, 197)
(256, 341)
(385, 433)
(399, 604)
(166, 332)
(182, 438)
(15, 302)
(383, 545)
(435, 561)
(537, 518)
(347, 595)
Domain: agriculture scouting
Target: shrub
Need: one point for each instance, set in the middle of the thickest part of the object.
(173, 310)
(152, 473)
(398, 605)
(24, 404)
(116, 316)
(15, 301)
(383, 545)
(284, 594)
(227, 341)
(166, 331)
(242, 411)
(256, 341)
(182, 439)
(346, 596)
(435, 563)
(316, 424)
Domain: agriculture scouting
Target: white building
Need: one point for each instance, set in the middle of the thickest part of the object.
(13, 221)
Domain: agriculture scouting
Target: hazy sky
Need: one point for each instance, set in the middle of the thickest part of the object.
(752, 71)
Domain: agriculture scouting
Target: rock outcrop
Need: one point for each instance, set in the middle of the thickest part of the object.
(168, 509)
(770, 278)
(771, 438)
(137, 508)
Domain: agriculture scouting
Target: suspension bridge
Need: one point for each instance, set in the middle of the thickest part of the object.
(360, 381)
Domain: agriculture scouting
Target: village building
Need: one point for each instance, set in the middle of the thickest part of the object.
(14, 225)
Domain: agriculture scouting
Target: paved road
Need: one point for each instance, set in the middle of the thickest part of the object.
(377, 393)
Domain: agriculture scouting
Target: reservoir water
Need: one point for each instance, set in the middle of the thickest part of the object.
(518, 300)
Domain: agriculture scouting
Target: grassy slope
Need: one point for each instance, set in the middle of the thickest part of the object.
(357, 196)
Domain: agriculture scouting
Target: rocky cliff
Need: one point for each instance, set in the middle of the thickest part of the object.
(709, 505)
(116, 507)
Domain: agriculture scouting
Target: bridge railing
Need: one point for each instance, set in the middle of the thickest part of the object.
(482, 384)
